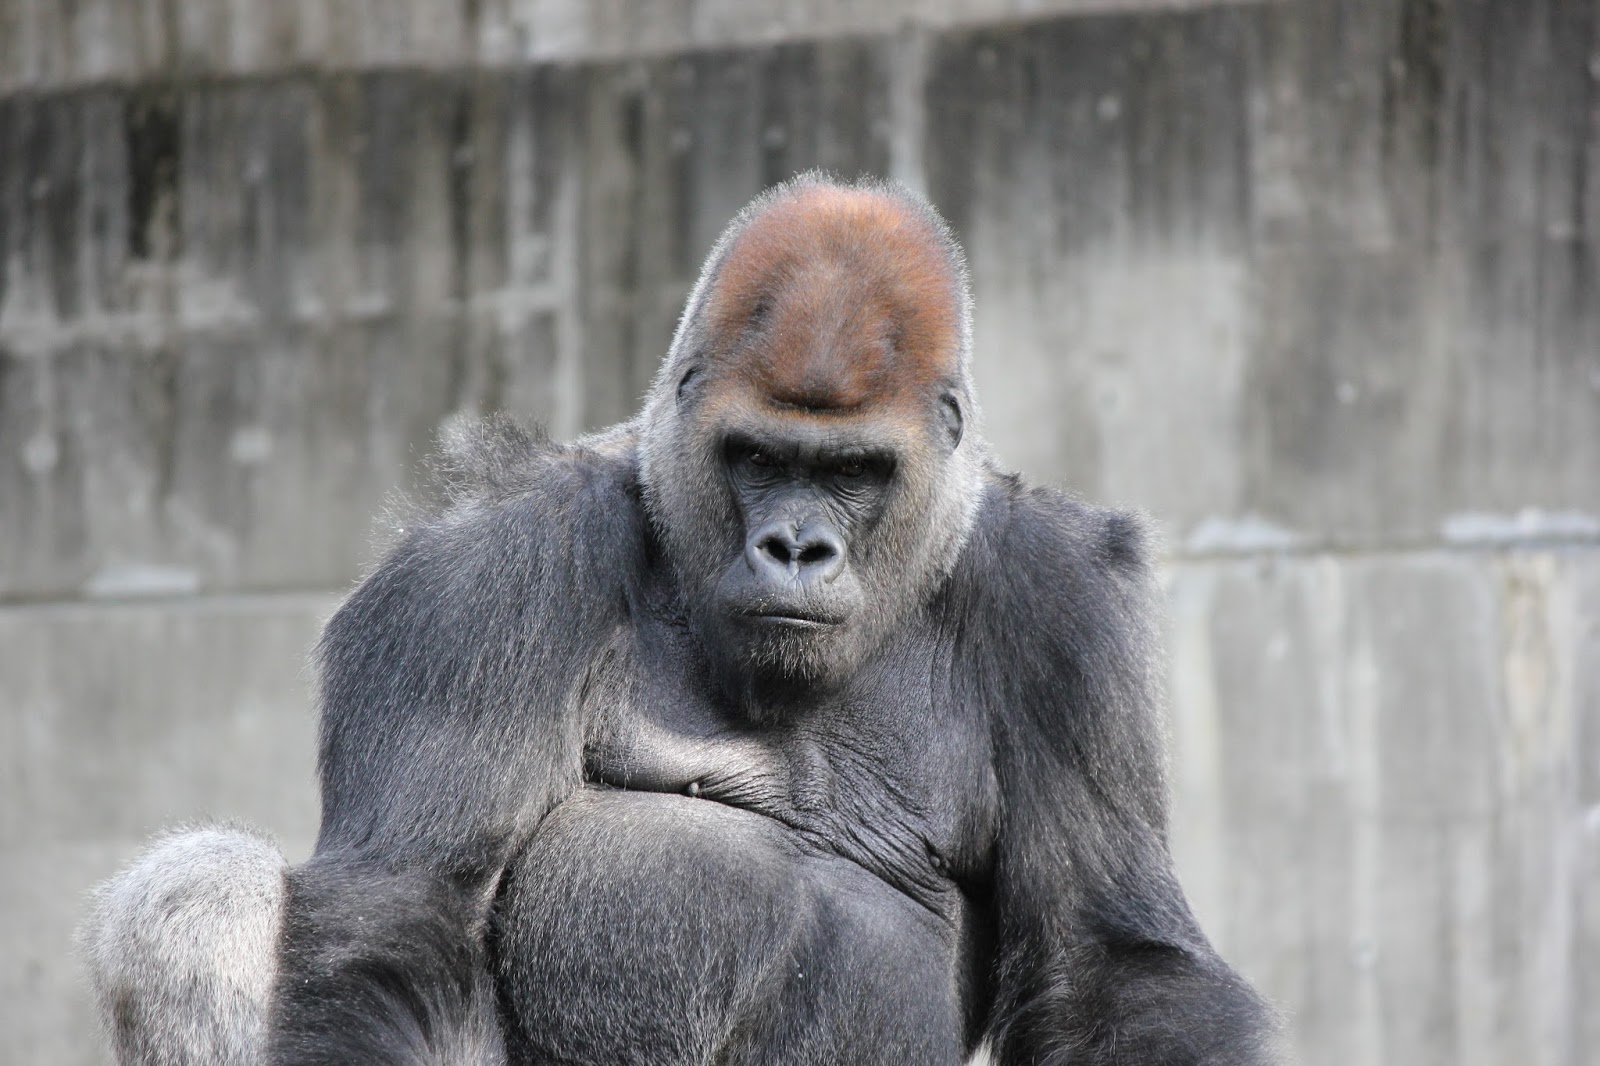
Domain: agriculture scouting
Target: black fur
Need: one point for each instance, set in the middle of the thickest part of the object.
(1100, 960)
(563, 824)
(381, 965)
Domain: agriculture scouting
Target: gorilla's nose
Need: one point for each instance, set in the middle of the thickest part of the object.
(807, 553)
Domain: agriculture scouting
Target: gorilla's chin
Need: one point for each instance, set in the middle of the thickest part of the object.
(781, 641)
(771, 658)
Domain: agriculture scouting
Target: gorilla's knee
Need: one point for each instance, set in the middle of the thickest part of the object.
(181, 945)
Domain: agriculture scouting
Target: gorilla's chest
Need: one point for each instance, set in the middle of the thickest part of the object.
(886, 773)
(722, 891)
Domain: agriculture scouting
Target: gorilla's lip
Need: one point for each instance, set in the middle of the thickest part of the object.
(788, 618)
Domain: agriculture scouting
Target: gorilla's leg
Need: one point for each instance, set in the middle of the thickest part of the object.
(181, 948)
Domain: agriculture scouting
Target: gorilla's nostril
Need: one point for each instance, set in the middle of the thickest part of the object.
(815, 553)
(778, 549)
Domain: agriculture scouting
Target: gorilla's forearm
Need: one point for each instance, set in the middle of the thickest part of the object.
(379, 966)
(451, 723)
(1108, 1005)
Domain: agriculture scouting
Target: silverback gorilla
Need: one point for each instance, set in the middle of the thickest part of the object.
(775, 725)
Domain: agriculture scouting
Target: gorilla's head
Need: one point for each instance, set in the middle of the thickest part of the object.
(807, 454)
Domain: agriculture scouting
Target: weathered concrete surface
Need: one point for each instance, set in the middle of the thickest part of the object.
(225, 309)
(116, 723)
(44, 44)
(1387, 797)
(1313, 283)
(1343, 256)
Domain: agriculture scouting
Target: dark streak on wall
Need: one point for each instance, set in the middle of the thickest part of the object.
(152, 125)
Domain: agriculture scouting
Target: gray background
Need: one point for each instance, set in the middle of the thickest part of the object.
(1317, 284)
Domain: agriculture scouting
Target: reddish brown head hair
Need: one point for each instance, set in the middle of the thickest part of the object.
(836, 299)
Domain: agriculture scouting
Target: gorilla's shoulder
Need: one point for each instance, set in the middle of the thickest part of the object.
(1058, 592)
(1034, 534)
(514, 502)
(497, 461)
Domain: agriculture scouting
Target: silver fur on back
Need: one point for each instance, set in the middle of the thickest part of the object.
(180, 947)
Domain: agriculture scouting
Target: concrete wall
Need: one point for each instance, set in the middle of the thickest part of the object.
(1315, 283)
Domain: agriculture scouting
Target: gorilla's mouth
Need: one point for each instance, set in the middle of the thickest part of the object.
(788, 619)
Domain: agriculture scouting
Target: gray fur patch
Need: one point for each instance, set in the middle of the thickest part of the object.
(181, 947)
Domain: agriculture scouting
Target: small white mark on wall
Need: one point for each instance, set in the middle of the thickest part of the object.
(140, 580)
(1528, 524)
(1242, 535)
(40, 454)
(250, 446)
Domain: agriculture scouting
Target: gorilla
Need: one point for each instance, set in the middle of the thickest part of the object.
(774, 725)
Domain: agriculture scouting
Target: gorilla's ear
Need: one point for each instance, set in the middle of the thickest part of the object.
(950, 408)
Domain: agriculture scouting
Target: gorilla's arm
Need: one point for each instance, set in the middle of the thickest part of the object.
(450, 725)
(1099, 959)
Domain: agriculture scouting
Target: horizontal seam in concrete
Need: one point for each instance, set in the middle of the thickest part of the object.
(262, 600)
(1388, 549)
(34, 337)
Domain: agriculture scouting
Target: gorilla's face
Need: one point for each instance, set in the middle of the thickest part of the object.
(805, 535)
(791, 598)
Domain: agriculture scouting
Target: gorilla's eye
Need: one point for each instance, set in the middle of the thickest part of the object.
(953, 422)
(851, 468)
(684, 382)
(758, 458)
